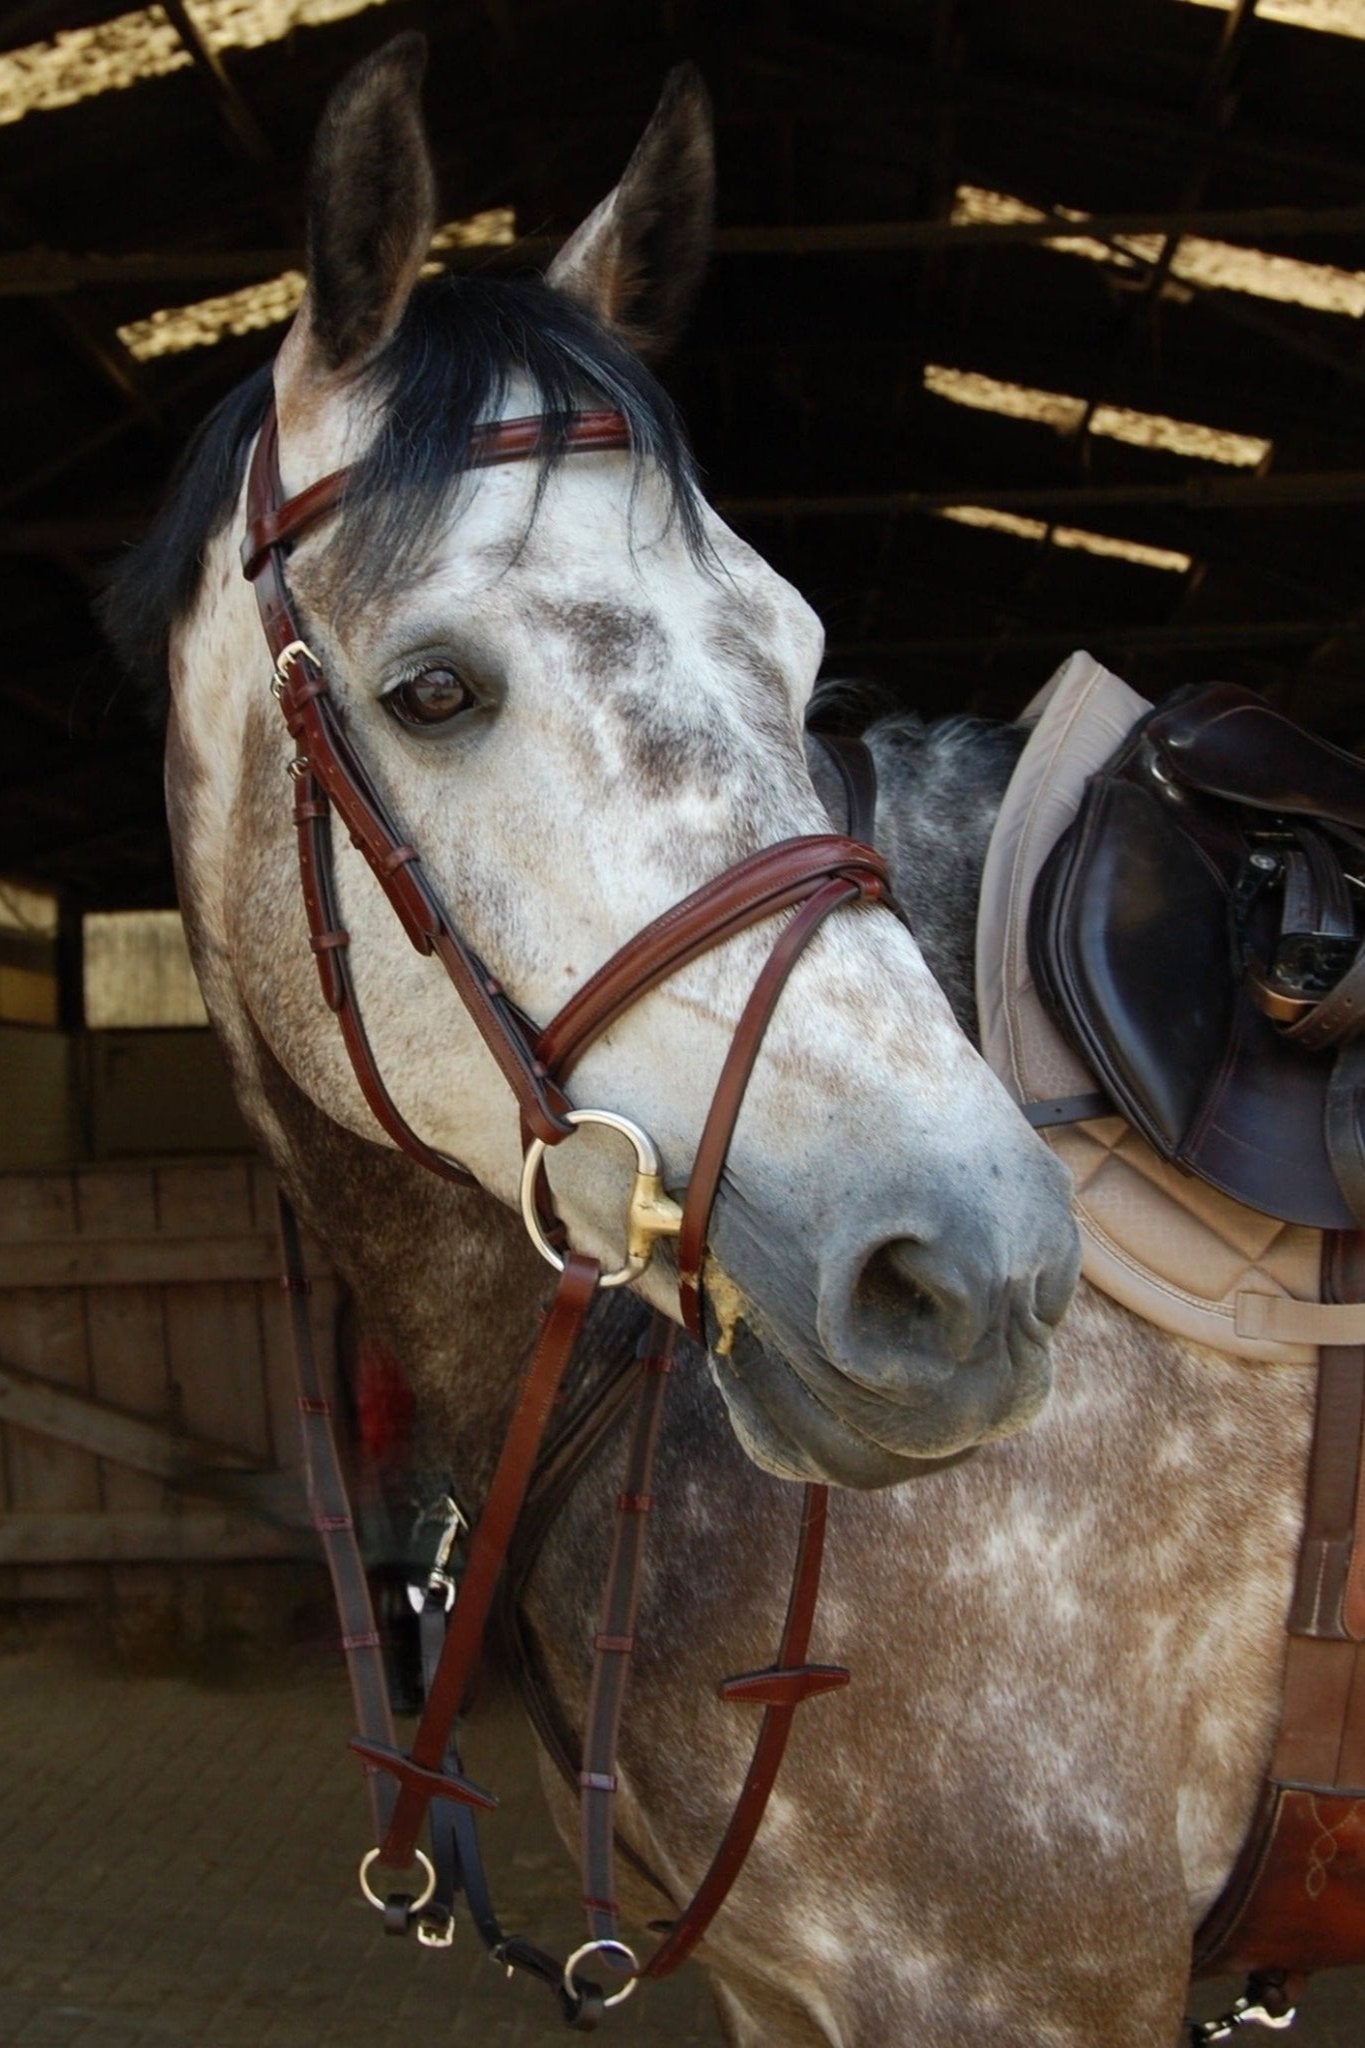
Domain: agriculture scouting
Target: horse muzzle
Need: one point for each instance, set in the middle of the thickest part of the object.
(894, 1355)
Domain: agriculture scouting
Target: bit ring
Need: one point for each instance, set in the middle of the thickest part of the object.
(652, 1213)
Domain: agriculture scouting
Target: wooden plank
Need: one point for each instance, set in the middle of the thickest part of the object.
(138, 1261)
(149, 1448)
(31, 1400)
(116, 1202)
(205, 1197)
(213, 1348)
(128, 1374)
(126, 1337)
(37, 1205)
(214, 1536)
(45, 1332)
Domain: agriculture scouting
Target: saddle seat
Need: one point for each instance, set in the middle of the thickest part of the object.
(1229, 743)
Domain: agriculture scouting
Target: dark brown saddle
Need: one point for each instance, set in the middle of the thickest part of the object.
(1199, 934)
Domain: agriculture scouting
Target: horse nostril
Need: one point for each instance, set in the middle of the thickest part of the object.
(888, 1300)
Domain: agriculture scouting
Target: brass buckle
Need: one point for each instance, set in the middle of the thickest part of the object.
(285, 660)
(651, 1213)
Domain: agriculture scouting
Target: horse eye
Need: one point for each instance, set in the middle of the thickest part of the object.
(431, 698)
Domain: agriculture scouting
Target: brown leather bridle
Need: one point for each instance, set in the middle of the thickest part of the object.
(811, 876)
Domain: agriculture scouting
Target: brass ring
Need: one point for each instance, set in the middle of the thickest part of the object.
(600, 1947)
(371, 1857)
(651, 1213)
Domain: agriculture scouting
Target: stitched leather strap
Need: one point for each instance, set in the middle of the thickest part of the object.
(1339, 1015)
(496, 441)
(419, 1774)
(330, 1508)
(857, 771)
(818, 874)
(767, 882)
(615, 1642)
(718, 1130)
(1303, 1843)
(779, 1691)
(305, 700)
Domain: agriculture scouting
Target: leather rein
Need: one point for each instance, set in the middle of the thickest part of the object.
(809, 876)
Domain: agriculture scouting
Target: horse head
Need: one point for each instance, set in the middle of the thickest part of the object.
(582, 695)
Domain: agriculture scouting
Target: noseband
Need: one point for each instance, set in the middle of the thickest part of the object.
(811, 876)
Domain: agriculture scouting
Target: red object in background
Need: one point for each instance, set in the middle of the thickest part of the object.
(384, 1405)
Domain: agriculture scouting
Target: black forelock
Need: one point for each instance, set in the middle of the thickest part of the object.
(460, 344)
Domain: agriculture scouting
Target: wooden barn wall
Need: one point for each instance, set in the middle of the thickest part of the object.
(147, 1411)
(113, 1095)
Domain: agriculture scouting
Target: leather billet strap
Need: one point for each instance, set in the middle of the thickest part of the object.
(1296, 1897)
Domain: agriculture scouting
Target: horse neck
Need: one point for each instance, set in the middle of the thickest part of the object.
(939, 790)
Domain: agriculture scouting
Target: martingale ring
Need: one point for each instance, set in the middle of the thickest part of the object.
(591, 1948)
(367, 1863)
(652, 1213)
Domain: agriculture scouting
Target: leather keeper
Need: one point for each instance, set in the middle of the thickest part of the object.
(782, 1688)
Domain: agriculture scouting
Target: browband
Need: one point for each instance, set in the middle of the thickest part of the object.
(492, 442)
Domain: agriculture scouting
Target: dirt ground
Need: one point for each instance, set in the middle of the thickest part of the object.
(180, 1832)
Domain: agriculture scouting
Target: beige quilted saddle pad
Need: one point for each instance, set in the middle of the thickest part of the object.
(1175, 1251)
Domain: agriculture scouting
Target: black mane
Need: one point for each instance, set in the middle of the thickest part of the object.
(460, 343)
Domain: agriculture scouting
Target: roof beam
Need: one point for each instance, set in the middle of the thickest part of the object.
(96, 533)
(1237, 633)
(241, 124)
(1241, 493)
(39, 271)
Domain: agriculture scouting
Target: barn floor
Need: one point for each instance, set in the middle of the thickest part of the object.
(178, 1860)
(178, 1849)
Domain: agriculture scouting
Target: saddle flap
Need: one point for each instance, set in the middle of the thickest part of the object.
(1131, 943)
(1128, 946)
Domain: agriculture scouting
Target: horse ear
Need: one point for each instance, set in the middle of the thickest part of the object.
(371, 205)
(637, 260)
